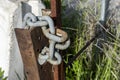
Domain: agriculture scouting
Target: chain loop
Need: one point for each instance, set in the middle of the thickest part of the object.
(61, 37)
(57, 61)
(44, 56)
(58, 39)
(63, 46)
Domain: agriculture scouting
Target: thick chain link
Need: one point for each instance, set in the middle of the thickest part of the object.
(58, 39)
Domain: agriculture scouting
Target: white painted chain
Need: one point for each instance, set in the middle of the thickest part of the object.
(31, 20)
(57, 39)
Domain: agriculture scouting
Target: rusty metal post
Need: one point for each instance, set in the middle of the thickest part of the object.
(56, 12)
(59, 73)
(27, 53)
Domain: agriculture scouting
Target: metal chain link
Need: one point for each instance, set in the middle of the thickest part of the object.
(58, 39)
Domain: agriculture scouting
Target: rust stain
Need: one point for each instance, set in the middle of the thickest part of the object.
(27, 53)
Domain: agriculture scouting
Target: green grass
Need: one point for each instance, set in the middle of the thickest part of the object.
(95, 63)
(2, 75)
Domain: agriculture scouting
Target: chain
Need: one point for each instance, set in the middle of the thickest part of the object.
(58, 39)
(32, 21)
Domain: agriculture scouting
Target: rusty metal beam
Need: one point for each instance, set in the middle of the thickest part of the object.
(27, 53)
(56, 12)
(59, 72)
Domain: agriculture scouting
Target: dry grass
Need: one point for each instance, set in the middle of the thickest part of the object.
(100, 61)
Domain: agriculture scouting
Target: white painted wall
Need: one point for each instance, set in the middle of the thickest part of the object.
(6, 10)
